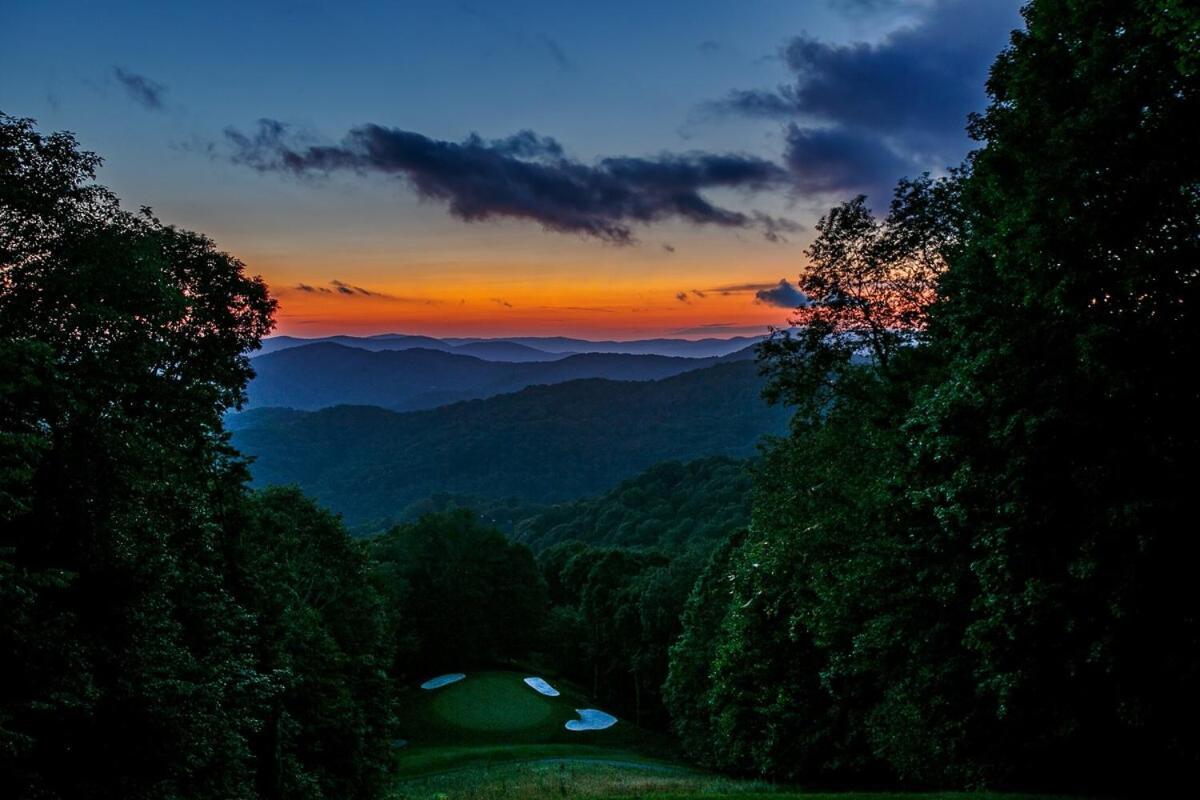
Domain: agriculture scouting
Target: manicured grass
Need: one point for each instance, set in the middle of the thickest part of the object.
(494, 703)
(584, 779)
(491, 737)
(496, 708)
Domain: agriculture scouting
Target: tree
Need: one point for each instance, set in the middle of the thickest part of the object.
(463, 593)
(123, 342)
(322, 635)
(164, 634)
(969, 548)
(1058, 442)
(868, 288)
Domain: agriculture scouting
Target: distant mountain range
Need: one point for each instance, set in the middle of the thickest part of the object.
(542, 444)
(522, 348)
(329, 373)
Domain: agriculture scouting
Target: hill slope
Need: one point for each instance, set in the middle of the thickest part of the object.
(317, 376)
(542, 444)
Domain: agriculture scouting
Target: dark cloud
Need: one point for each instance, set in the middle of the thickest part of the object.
(340, 288)
(556, 53)
(143, 91)
(885, 109)
(773, 228)
(670, 248)
(346, 288)
(699, 293)
(758, 103)
(782, 294)
(528, 177)
(835, 160)
(682, 297)
(708, 46)
(501, 302)
(741, 288)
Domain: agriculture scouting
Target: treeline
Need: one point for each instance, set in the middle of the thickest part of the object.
(969, 562)
(164, 633)
(543, 444)
(600, 602)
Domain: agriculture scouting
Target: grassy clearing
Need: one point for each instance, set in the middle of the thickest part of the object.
(582, 780)
(491, 737)
(497, 709)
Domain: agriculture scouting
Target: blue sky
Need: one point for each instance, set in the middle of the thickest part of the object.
(156, 88)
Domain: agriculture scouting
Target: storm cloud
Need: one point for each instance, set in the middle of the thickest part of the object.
(878, 111)
(528, 177)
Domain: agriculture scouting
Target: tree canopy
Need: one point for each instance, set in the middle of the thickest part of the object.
(968, 562)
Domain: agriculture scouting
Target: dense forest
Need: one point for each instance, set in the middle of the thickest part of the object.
(544, 444)
(967, 564)
(962, 560)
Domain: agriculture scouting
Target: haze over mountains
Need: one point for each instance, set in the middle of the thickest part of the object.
(326, 373)
(521, 348)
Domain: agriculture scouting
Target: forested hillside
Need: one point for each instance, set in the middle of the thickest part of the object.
(320, 375)
(671, 507)
(543, 444)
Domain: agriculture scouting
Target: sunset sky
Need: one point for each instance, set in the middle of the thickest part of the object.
(616, 169)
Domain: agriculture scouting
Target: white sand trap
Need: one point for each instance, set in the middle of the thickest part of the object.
(541, 687)
(591, 720)
(442, 680)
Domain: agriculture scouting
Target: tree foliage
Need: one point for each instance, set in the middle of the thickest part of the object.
(147, 627)
(465, 595)
(968, 562)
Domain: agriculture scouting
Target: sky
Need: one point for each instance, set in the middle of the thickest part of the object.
(603, 169)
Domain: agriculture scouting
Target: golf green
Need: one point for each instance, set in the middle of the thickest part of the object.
(491, 702)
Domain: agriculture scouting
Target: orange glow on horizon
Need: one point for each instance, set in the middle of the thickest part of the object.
(603, 308)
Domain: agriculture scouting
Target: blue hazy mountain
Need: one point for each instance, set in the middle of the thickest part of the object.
(541, 444)
(314, 376)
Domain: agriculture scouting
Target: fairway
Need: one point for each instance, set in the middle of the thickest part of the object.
(492, 702)
(491, 735)
(493, 718)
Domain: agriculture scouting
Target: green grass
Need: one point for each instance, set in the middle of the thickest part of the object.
(496, 709)
(491, 737)
(498, 702)
(577, 779)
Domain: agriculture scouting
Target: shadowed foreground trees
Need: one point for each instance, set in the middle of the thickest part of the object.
(970, 561)
(163, 633)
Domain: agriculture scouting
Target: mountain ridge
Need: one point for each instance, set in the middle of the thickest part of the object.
(323, 374)
(544, 443)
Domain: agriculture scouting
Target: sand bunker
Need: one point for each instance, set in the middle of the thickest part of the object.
(442, 680)
(591, 719)
(541, 687)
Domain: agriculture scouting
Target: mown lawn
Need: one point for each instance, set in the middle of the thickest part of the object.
(491, 737)
(614, 779)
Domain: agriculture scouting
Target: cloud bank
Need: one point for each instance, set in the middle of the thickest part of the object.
(528, 177)
(862, 115)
